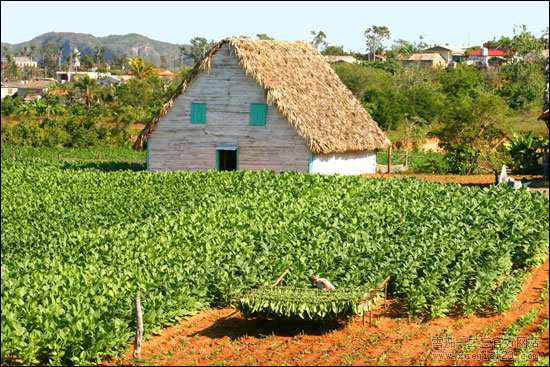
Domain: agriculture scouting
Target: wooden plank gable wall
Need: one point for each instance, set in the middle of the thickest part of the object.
(177, 144)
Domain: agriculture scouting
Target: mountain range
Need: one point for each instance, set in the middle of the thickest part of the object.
(132, 44)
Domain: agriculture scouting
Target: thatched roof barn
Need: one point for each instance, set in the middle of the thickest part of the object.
(278, 105)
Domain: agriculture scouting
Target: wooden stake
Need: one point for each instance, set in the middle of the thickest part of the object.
(280, 278)
(389, 160)
(385, 295)
(139, 328)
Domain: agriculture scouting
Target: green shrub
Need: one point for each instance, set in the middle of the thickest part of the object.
(524, 151)
(432, 164)
(461, 159)
(28, 133)
(523, 86)
(64, 132)
(9, 105)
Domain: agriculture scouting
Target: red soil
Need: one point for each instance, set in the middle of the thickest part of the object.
(222, 336)
(487, 179)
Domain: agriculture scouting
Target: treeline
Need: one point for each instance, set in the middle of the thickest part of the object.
(469, 109)
(84, 113)
(462, 97)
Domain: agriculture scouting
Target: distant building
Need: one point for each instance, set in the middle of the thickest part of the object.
(332, 59)
(22, 61)
(68, 76)
(113, 79)
(447, 52)
(164, 73)
(8, 90)
(433, 60)
(27, 89)
(486, 57)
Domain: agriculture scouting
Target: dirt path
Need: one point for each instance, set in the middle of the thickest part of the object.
(220, 336)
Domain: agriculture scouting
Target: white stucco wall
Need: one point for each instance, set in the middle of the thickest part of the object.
(344, 163)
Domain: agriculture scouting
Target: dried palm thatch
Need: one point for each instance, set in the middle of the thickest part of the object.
(305, 90)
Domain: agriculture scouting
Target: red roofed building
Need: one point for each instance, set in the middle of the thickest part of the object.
(491, 52)
(486, 56)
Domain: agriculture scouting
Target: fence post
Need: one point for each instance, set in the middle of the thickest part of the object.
(139, 328)
(389, 160)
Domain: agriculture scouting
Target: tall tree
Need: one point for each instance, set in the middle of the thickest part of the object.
(163, 62)
(334, 51)
(88, 90)
(421, 44)
(184, 52)
(402, 46)
(263, 36)
(51, 57)
(375, 35)
(524, 41)
(99, 53)
(32, 51)
(199, 46)
(140, 68)
(319, 40)
(544, 37)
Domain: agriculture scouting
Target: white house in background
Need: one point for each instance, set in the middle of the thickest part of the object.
(109, 79)
(29, 89)
(263, 105)
(22, 61)
(68, 76)
(8, 90)
(102, 78)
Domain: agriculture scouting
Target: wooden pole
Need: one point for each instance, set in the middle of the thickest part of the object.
(280, 278)
(389, 160)
(385, 296)
(139, 328)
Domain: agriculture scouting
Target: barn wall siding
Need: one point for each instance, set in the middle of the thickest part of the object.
(177, 144)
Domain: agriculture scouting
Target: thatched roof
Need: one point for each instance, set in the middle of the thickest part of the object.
(306, 91)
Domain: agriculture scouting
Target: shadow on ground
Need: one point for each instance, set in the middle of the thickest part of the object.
(237, 327)
(108, 166)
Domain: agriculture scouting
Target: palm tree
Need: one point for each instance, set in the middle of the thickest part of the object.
(88, 89)
(140, 68)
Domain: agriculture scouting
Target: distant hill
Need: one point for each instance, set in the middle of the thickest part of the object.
(129, 44)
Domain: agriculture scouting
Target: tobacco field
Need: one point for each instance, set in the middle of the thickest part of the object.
(79, 241)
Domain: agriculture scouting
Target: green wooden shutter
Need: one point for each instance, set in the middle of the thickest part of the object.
(258, 113)
(198, 113)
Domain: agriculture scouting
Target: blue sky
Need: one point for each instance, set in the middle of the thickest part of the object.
(457, 23)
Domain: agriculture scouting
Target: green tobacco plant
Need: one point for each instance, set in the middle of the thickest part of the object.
(306, 304)
(79, 240)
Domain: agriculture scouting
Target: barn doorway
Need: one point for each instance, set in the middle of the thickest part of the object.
(227, 159)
